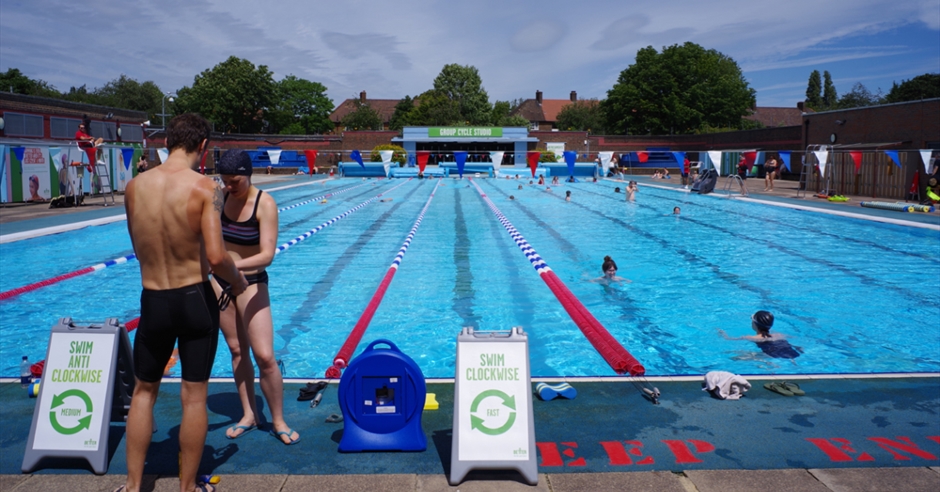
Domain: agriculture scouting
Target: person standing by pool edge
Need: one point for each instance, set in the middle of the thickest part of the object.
(173, 221)
(249, 328)
(771, 169)
(742, 173)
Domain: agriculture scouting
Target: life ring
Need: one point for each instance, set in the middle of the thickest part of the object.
(838, 198)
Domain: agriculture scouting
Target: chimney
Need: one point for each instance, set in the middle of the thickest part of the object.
(362, 97)
(538, 97)
(799, 105)
(574, 96)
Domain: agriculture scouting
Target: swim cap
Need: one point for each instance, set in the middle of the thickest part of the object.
(763, 319)
(235, 162)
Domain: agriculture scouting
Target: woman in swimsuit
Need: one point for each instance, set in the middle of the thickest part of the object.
(249, 227)
(610, 272)
(774, 345)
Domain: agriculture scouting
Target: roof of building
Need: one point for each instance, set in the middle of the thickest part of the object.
(385, 108)
(67, 108)
(531, 110)
(773, 117)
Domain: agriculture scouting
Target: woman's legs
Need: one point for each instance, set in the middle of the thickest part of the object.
(238, 344)
(256, 317)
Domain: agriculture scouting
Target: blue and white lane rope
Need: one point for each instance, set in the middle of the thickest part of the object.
(534, 259)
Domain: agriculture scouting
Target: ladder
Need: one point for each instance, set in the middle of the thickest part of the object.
(103, 179)
(734, 178)
(806, 171)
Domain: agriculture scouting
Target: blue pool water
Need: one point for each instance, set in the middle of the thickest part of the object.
(855, 296)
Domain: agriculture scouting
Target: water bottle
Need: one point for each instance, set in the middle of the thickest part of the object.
(26, 375)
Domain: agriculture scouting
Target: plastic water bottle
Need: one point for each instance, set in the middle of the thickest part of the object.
(25, 375)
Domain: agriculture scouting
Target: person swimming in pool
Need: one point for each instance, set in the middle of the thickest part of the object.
(568, 196)
(609, 268)
(775, 345)
(676, 211)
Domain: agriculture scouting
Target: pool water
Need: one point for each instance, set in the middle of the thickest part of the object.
(854, 296)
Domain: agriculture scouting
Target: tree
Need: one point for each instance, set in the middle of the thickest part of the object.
(126, 93)
(859, 96)
(234, 95)
(813, 91)
(404, 114)
(362, 118)
(302, 108)
(582, 115)
(463, 86)
(924, 86)
(677, 91)
(14, 81)
(436, 109)
(830, 98)
(501, 117)
(399, 155)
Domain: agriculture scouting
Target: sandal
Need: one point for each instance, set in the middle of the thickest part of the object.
(793, 388)
(778, 388)
(332, 419)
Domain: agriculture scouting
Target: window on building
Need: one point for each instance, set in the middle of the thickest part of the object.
(63, 127)
(104, 129)
(132, 133)
(22, 125)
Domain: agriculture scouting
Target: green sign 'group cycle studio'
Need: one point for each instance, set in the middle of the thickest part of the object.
(477, 141)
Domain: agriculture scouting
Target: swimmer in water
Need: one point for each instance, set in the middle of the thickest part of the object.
(676, 211)
(386, 200)
(772, 344)
(610, 273)
(324, 200)
(568, 196)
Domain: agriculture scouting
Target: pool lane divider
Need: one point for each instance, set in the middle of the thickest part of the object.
(124, 259)
(355, 336)
(620, 360)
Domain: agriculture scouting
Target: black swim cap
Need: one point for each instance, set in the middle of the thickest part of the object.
(763, 319)
(235, 162)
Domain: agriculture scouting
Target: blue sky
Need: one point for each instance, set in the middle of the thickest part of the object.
(393, 49)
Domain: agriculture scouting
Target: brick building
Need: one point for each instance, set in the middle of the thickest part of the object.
(43, 118)
(385, 108)
(542, 113)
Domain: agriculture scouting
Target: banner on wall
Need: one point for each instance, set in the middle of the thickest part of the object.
(557, 148)
(120, 168)
(4, 178)
(36, 176)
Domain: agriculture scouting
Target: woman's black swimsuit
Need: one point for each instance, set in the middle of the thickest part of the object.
(780, 349)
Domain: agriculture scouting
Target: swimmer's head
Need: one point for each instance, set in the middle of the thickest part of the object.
(512, 197)
(235, 162)
(762, 321)
(568, 193)
(676, 210)
(617, 190)
(609, 267)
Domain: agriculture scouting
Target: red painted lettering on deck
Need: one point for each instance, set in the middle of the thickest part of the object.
(570, 453)
(839, 453)
(550, 454)
(907, 447)
(684, 454)
(619, 455)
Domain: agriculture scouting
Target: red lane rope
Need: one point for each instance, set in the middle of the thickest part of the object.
(355, 336)
(620, 360)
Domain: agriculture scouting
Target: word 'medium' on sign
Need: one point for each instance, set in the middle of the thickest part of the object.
(492, 368)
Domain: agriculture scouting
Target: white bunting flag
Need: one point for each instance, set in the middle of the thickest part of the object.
(386, 156)
(497, 158)
(163, 154)
(715, 157)
(605, 160)
(822, 156)
(274, 155)
(925, 155)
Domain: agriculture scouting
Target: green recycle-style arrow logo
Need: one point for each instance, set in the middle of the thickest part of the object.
(477, 422)
(83, 423)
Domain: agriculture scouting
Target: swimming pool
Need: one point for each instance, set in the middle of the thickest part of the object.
(856, 296)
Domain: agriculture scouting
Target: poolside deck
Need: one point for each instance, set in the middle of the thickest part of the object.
(846, 434)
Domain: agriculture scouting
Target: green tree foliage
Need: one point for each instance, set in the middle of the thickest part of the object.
(436, 109)
(924, 86)
(463, 86)
(363, 118)
(234, 95)
(14, 81)
(514, 120)
(547, 156)
(860, 96)
(127, 93)
(829, 98)
(582, 115)
(680, 90)
(399, 155)
(302, 108)
(403, 115)
(501, 117)
(814, 91)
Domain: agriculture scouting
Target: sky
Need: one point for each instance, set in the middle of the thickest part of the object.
(394, 49)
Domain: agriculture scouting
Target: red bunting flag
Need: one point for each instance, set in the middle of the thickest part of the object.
(423, 156)
(749, 158)
(642, 156)
(311, 156)
(857, 157)
(533, 159)
(202, 163)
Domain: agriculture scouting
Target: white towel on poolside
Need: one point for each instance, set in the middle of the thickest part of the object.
(726, 385)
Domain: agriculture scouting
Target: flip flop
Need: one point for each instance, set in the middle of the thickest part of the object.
(243, 428)
(778, 388)
(332, 419)
(793, 388)
(548, 392)
(205, 487)
(310, 391)
(287, 433)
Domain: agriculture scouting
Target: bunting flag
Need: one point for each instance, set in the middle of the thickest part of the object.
(785, 157)
(857, 159)
(387, 168)
(761, 159)
(750, 158)
(642, 156)
(274, 155)
(822, 156)
(533, 158)
(18, 152)
(925, 156)
(715, 157)
(356, 156)
(56, 160)
(128, 154)
(386, 156)
(680, 160)
(3, 173)
(311, 156)
(163, 154)
(893, 154)
(570, 158)
(423, 160)
(461, 158)
(605, 160)
(497, 158)
(202, 163)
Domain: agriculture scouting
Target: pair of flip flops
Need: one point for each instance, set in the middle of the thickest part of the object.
(785, 388)
(310, 391)
(548, 392)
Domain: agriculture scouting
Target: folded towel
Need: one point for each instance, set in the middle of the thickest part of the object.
(726, 385)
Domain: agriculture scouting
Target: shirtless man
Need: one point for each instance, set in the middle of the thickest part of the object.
(173, 220)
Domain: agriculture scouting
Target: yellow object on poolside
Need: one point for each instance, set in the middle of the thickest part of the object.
(430, 402)
(838, 198)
